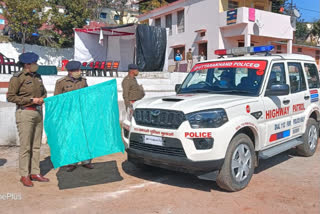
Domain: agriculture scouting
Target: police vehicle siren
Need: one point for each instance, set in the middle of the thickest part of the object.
(244, 50)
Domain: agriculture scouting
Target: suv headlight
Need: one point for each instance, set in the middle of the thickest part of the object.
(207, 119)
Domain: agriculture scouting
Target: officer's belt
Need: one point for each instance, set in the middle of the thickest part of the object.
(31, 107)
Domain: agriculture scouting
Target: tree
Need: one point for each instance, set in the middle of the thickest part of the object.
(302, 31)
(315, 30)
(75, 15)
(24, 17)
(146, 6)
(277, 6)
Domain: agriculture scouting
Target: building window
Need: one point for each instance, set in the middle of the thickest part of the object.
(318, 60)
(278, 47)
(202, 34)
(181, 21)
(103, 15)
(259, 6)
(241, 44)
(182, 52)
(233, 4)
(145, 22)
(300, 50)
(157, 22)
(116, 17)
(169, 23)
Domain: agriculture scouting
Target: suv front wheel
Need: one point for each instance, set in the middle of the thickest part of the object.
(238, 166)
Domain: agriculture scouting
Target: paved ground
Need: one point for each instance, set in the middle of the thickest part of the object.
(285, 184)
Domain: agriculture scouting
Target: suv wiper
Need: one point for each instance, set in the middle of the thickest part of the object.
(235, 91)
(197, 91)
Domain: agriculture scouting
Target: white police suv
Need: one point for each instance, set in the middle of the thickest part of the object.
(227, 114)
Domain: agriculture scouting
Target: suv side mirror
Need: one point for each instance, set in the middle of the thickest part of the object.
(278, 90)
(177, 87)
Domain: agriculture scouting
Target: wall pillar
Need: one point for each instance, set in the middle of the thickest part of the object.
(289, 46)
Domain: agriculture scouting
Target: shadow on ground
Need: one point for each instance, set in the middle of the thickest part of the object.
(45, 166)
(3, 161)
(103, 172)
(168, 177)
(191, 181)
(275, 160)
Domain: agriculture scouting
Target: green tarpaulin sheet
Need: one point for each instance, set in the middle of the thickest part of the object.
(47, 70)
(83, 124)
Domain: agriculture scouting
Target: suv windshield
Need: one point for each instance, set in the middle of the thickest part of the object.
(233, 77)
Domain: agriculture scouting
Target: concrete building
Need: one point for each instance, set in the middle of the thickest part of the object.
(207, 25)
(112, 16)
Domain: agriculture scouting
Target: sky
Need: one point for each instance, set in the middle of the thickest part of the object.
(309, 9)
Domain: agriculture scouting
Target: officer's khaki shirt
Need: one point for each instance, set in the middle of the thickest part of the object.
(25, 85)
(67, 84)
(189, 56)
(132, 91)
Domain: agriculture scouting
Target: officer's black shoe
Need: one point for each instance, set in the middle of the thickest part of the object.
(70, 168)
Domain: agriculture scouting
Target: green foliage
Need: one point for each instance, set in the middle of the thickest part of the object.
(76, 12)
(146, 6)
(24, 17)
(315, 31)
(302, 31)
(277, 4)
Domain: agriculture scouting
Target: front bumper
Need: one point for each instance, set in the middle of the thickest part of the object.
(181, 164)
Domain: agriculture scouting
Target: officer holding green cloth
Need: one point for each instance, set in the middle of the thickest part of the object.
(72, 82)
(27, 91)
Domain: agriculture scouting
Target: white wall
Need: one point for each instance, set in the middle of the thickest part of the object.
(48, 56)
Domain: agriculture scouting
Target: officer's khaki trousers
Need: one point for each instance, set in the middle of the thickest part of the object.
(30, 125)
(189, 67)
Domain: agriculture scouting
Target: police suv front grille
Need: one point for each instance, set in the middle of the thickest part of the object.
(159, 118)
(171, 147)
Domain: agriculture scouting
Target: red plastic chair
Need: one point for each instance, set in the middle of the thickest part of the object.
(89, 68)
(115, 67)
(64, 63)
(101, 68)
(95, 68)
(108, 68)
(9, 62)
(83, 67)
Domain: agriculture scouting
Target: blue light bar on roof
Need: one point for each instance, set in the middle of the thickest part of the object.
(263, 48)
(244, 50)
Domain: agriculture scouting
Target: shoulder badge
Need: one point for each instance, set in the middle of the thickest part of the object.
(62, 78)
(17, 74)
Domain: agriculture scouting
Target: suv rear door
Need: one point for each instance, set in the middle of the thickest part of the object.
(300, 96)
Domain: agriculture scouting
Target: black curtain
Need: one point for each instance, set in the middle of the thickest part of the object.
(151, 47)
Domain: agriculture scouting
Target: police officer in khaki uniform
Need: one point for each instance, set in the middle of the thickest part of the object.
(26, 89)
(68, 83)
(132, 91)
(189, 60)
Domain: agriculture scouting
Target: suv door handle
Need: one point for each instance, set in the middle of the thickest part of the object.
(286, 102)
(306, 97)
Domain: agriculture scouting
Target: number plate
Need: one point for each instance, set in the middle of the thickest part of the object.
(153, 140)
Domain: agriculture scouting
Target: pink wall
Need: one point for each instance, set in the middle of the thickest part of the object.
(310, 51)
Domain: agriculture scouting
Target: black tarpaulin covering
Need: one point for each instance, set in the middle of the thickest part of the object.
(151, 47)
